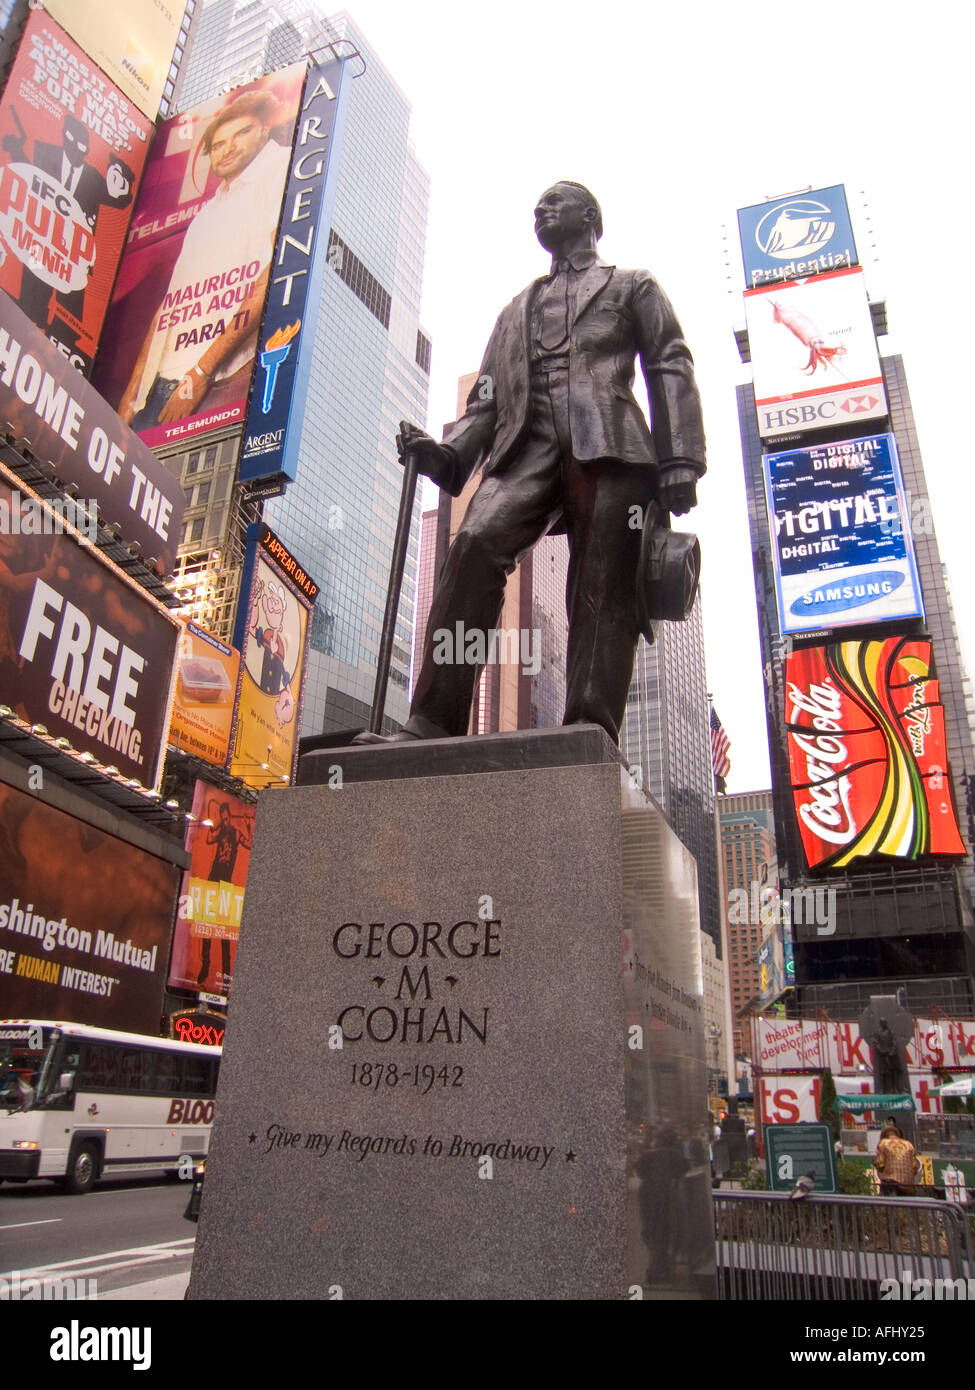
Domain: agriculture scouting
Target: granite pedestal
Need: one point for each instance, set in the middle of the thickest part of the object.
(464, 1055)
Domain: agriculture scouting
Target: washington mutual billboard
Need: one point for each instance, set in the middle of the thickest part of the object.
(799, 235)
(842, 548)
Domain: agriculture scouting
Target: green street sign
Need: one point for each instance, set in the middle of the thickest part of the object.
(791, 1151)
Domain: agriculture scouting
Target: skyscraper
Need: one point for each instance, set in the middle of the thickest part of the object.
(666, 735)
(900, 924)
(370, 367)
(748, 850)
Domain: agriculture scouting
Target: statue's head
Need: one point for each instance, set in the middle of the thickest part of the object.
(565, 213)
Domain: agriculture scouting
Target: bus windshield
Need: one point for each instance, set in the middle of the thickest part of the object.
(26, 1066)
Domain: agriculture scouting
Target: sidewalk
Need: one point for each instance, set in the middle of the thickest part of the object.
(170, 1286)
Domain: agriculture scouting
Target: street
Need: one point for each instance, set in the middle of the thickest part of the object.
(122, 1234)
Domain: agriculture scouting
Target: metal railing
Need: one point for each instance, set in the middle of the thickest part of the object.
(824, 1247)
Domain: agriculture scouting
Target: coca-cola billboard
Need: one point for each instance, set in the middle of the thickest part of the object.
(867, 755)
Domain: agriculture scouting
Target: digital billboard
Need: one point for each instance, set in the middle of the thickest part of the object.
(203, 703)
(796, 236)
(867, 754)
(191, 287)
(135, 54)
(83, 650)
(85, 920)
(814, 355)
(272, 634)
(72, 151)
(66, 422)
(842, 549)
(212, 893)
(287, 339)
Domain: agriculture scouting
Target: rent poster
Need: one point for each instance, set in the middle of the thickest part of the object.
(867, 752)
(212, 894)
(72, 151)
(85, 920)
(193, 281)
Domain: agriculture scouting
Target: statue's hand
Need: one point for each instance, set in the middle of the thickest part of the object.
(678, 490)
(435, 461)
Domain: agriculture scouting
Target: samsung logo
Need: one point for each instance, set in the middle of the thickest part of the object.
(837, 598)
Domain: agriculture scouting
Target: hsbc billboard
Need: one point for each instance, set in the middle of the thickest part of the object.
(814, 355)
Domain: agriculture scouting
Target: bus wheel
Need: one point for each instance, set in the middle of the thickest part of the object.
(81, 1174)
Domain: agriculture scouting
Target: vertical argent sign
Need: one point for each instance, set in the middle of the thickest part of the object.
(287, 337)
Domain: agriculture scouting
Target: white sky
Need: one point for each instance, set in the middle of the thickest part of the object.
(675, 116)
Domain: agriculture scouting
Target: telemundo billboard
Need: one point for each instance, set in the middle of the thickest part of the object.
(799, 235)
(842, 550)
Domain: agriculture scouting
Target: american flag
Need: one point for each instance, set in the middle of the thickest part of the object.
(720, 762)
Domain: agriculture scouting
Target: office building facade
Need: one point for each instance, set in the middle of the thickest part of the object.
(899, 925)
(666, 739)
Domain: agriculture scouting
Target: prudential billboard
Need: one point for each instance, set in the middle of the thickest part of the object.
(842, 548)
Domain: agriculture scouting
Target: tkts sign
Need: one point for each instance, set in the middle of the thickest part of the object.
(867, 755)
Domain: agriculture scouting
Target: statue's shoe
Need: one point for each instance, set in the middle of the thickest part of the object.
(402, 737)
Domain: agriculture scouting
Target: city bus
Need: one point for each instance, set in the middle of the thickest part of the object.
(78, 1103)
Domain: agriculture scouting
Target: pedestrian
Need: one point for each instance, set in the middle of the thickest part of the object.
(896, 1162)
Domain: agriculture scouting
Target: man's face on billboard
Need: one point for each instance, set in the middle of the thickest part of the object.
(235, 143)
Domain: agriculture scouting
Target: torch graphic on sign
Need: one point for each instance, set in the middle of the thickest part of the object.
(275, 351)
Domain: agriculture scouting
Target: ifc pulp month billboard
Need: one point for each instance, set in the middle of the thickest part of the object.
(192, 284)
(842, 550)
(83, 650)
(814, 355)
(85, 920)
(72, 150)
(868, 759)
(796, 236)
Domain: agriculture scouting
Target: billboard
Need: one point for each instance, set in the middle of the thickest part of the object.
(273, 628)
(136, 55)
(784, 1045)
(83, 650)
(85, 920)
(72, 150)
(287, 338)
(191, 287)
(66, 422)
(867, 755)
(203, 703)
(842, 550)
(796, 236)
(212, 893)
(814, 331)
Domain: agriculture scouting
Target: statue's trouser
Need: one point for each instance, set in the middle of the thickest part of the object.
(601, 502)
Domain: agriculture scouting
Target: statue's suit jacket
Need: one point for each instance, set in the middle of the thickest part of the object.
(619, 315)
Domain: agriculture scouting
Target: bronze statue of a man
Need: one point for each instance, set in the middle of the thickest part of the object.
(565, 447)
